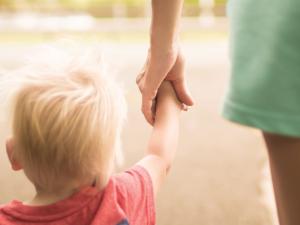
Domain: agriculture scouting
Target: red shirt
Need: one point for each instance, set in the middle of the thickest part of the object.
(127, 199)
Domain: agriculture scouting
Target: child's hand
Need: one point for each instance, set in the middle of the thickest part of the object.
(166, 99)
(166, 88)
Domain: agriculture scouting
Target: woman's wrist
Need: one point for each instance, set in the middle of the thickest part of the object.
(163, 54)
(163, 44)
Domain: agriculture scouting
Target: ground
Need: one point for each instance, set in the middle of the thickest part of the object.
(218, 173)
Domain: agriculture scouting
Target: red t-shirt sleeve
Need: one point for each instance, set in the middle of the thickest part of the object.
(135, 194)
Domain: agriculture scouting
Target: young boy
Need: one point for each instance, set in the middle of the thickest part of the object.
(66, 127)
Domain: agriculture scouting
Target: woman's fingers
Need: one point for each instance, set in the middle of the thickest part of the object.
(141, 76)
(139, 81)
(147, 106)
(149, 85)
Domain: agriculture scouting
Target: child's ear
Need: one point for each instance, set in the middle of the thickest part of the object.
(15, 165)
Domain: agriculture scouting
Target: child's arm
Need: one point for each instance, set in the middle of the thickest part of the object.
(163, 141)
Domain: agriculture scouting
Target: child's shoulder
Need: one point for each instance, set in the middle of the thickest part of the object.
(134, 179)
(135, 194)
(134, 174)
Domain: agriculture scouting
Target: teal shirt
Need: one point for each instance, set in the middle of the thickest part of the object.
(264, 89)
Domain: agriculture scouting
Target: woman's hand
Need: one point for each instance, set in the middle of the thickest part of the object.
(162, 65)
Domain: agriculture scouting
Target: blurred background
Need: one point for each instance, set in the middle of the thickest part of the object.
(220, 175)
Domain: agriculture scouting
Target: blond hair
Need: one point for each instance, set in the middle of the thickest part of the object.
(67, 119)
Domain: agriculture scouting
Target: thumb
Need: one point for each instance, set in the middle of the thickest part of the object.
(182, 92)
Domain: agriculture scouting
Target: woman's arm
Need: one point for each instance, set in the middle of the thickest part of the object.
(165, 60)
(165, 25)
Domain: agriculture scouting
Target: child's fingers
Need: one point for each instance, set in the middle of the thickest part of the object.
(184, 107)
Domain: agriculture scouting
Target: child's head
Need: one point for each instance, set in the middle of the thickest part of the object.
(66, 122)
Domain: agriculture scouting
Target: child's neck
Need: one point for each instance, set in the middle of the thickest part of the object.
(44, 198)
(47, 197)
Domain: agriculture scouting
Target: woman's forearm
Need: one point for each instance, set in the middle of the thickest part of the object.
(165, 24)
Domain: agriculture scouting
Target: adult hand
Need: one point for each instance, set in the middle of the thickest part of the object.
(159, 66)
